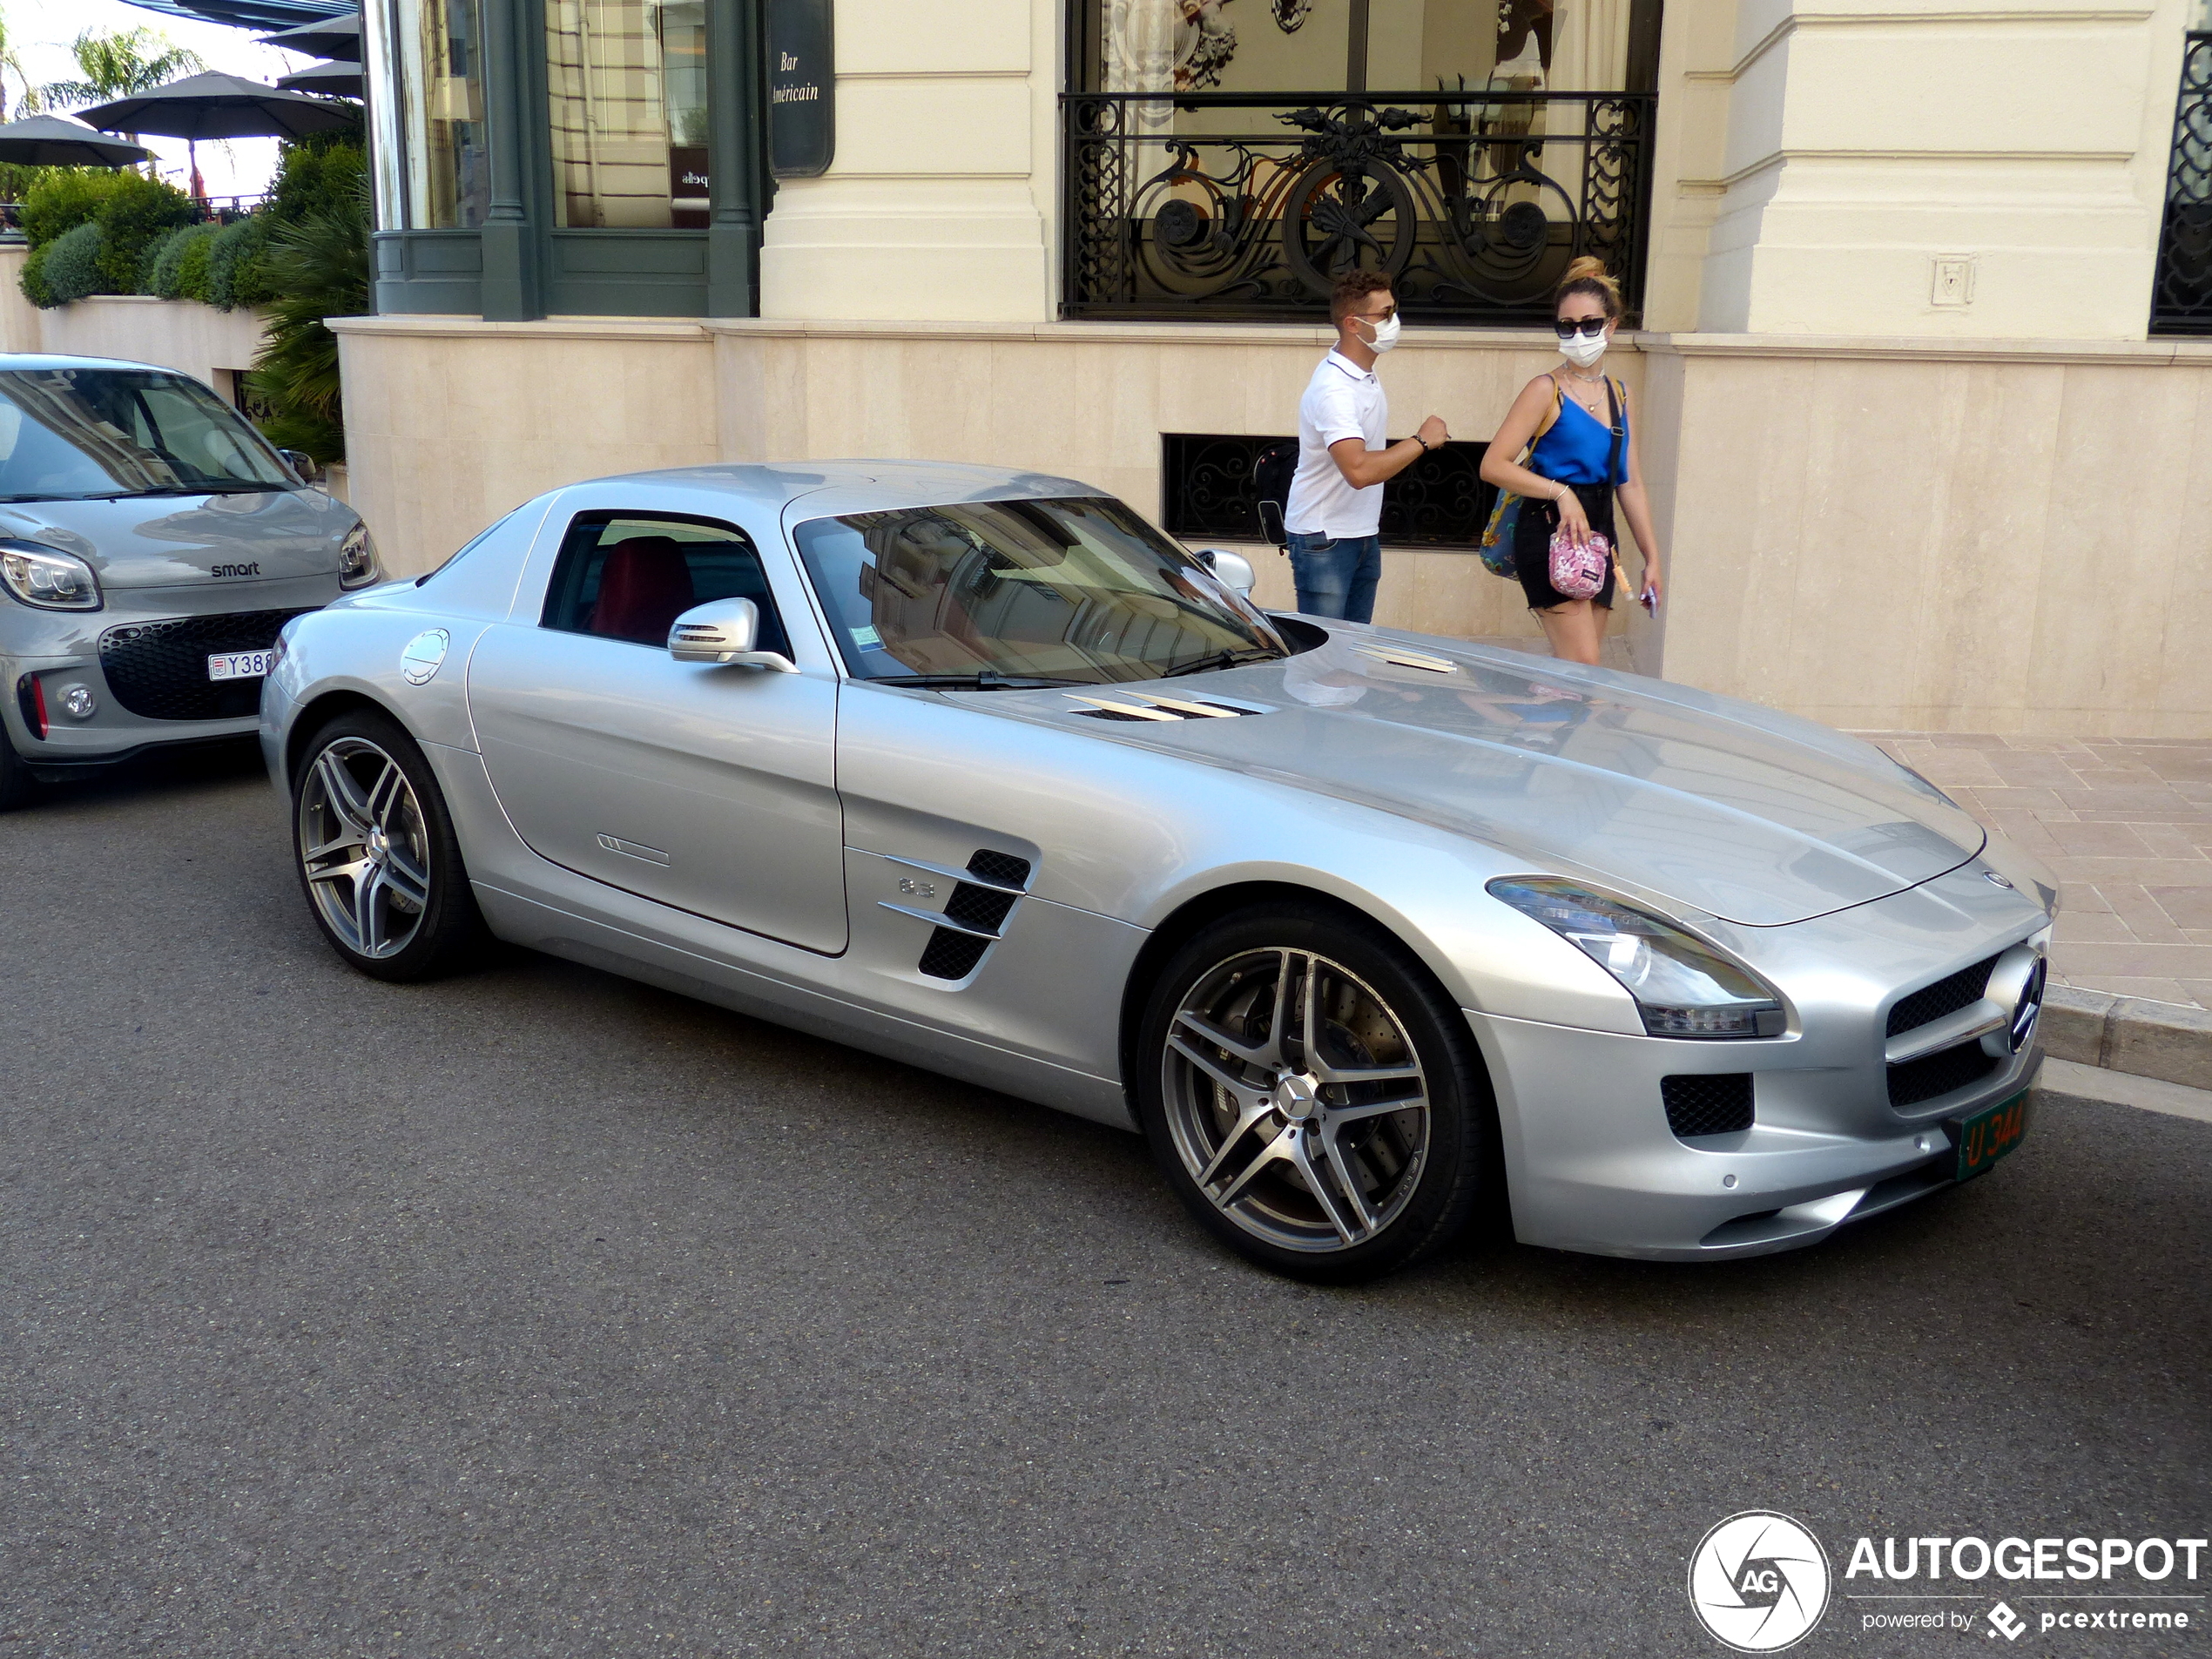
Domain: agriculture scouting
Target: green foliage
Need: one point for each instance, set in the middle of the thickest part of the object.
(65, 199)
(176, 266)
(137, 212)
(237, 264)
(72, 267)
(320, 173)
(319, 264)
(16, 178)
(33, 281)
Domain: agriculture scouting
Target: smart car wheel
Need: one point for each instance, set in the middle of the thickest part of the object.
(377, 855)
(1313, 1095)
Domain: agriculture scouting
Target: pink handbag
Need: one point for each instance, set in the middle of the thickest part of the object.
(1579, 572)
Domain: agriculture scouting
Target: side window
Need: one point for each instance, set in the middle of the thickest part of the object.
(629, 576)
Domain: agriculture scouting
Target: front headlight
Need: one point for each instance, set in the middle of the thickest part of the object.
(1684, 988)
(47, 577)
(357, 559)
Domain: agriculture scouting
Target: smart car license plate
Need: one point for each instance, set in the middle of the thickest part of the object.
(240, 666)
(1991, 1133)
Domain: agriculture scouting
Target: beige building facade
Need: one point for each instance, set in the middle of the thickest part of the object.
(1916, 460)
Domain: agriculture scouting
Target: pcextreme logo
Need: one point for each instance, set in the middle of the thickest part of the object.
(1759, 1581)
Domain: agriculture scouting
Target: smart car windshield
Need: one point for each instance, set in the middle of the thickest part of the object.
(1079, 591)
(76, 434)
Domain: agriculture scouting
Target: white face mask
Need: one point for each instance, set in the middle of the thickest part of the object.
(1385, 332)
(1582, 350)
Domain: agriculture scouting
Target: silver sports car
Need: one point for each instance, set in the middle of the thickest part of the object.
(1365, 931)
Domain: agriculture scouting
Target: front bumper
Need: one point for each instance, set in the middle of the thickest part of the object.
(1592, 1166)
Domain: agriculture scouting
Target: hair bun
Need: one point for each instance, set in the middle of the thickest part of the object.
(1586, 274)
(1583, 265)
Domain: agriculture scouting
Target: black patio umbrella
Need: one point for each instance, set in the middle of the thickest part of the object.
(342, 80)
(336, 37)
(48, 141)
(215, 106)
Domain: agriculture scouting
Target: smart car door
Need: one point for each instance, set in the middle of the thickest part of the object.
(711, 789)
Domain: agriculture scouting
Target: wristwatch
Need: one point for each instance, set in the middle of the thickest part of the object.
(1424, 442)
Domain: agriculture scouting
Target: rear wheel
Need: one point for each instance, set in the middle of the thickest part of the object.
(1313, 1095)
(378, 859)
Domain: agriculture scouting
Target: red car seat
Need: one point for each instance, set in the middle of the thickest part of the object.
(644, 587)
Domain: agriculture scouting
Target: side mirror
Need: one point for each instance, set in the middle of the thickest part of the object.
(303, 463)
(1234, 568)
(724, 631)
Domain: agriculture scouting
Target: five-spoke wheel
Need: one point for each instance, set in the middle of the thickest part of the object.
(376, 852)
(1312, 1095)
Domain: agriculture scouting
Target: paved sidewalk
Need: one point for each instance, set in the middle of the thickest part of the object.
(2124, 822)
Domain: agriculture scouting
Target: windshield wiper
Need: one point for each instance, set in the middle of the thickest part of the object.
(986, 681)
(1225, 659)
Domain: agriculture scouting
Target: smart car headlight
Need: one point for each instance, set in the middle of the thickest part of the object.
(357, 565)
(1684, 988)
(48, 577)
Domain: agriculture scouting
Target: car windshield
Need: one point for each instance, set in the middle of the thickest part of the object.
(1078, 591)
(73, 434)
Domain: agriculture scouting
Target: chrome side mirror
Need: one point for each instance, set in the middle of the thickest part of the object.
(724, 631)
(1234, 568)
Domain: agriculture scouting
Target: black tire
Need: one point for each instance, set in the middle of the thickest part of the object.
(18, 787)
(1419, 1175)
(406, 896)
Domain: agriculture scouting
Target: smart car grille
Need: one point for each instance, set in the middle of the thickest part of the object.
(159, 670)
(1939, 1073)
(1931, 1003)
(1707, 1102)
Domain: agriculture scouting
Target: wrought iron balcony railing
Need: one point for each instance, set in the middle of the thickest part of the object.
(2182, 293)
(1225, 206)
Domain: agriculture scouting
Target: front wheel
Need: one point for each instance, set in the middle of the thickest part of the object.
(1314, 1097)
(376, 853)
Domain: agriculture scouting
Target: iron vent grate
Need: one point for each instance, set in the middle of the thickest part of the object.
(1939, 1073)
(1707, 1102)
(1931, 1003)
(159, 670)
(952, 955)
(1000, 867)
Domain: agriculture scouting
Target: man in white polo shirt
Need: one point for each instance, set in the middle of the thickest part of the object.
(1334, 515)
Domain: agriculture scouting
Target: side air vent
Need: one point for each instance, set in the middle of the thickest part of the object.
(1145, 705)
(974, 916)
(1707, 1102)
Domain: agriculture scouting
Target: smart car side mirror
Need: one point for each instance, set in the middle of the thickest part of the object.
(724, 631)
(1234, 568)
(303, 463)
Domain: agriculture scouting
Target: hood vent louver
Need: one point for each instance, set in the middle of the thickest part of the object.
(1149, 705)
(1399, 656)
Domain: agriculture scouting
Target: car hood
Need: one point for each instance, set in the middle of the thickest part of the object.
(165, 541)
(1750, 816)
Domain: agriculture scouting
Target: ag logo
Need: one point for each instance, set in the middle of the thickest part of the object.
(1758, 1582)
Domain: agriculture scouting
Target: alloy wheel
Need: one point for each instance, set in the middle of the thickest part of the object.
(1296, 1100)
(363, 848)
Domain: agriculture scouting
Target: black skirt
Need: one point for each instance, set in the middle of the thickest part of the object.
(1532, 540)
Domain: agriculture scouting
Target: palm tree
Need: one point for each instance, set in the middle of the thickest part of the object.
(11, 63)
(115, 63)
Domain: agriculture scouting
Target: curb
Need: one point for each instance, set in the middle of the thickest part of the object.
(2161, 1040)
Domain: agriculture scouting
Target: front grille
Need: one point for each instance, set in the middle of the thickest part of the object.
(159, 670)
(1939, 1073)
(1707, 1102)
(952, 955)
(1931, 1003)
(1000, 867)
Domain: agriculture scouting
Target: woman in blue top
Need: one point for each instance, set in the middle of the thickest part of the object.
(1585, 457)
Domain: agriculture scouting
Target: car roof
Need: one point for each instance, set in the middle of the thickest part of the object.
(51, 359)
(856, 486)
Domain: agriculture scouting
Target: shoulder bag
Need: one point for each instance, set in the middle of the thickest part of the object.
(1496, 548)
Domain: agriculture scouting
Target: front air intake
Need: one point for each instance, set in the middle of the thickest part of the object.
(1707, 1102)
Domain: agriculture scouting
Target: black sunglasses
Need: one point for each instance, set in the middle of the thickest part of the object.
(1593, 327)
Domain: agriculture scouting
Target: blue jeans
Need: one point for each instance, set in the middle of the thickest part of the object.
(1336, 575)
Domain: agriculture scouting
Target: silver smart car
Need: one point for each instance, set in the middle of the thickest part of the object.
(151, 545)
(1364, 930)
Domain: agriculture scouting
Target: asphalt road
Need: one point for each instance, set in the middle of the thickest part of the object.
(538, 1313)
